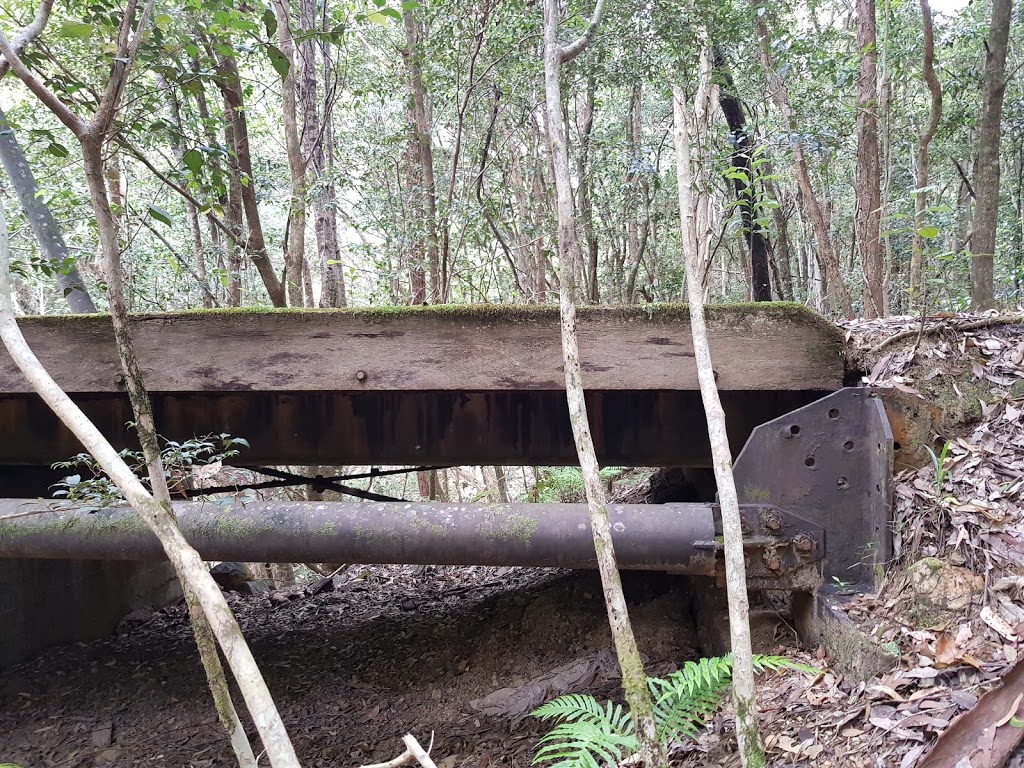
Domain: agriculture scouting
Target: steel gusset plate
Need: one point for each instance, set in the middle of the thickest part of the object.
(830, 463)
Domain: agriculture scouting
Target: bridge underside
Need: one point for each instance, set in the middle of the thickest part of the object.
(473, 385)
(444, 386)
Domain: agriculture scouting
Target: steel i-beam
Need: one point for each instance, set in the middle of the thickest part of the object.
(814, 487)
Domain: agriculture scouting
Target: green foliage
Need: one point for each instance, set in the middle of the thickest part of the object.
(479, 74)
(91, 489)
(939, 465)
(589, 733)
(564, 484)
(559, 484)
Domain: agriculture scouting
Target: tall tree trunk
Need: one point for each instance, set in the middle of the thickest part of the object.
(783, 255)
(584, 194)
(230, 84)
(634, 682)
(869, 192)
(318, 148)
(743, 143)
(986, 171)
(233, 212)
(917, 256)
(413, 55)
(631, 198)
(416, 251)
(295, 249)
(540, 261)
(810, 203)
(44, 226)
(748, 733)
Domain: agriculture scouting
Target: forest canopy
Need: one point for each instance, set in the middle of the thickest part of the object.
(375, 153)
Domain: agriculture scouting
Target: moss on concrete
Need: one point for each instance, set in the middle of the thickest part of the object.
(738, 315)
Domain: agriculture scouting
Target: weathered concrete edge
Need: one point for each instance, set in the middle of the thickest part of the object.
(725, 314)
(819, 620)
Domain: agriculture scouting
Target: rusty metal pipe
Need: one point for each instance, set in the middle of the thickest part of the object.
(647, 537)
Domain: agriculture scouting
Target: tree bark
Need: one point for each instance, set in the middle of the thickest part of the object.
(986, 171)
(540, 260)
(318, 149)
(584, 194)
(413, 55)
(415, 253)
(40, 219)
(295, 248)
(747, 731)
(819, 222)
(233, 213)
(743, 143)
(230, 84)
(917, 256)
(869, 191)
(634, 681)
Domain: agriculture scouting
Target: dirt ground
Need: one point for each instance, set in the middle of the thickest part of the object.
(390, 651)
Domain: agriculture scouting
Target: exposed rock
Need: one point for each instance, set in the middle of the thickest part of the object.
(941, 586)
(103, 734)
(259, 586)
(232, 577)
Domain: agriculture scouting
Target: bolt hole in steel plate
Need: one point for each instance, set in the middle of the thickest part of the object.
(809, 462)
(833, 413)
(794, 429)
(848, 445)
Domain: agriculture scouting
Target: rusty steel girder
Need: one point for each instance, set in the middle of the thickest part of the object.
(813, 484)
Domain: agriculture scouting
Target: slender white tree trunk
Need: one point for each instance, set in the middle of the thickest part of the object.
(747, 731)
(187, 562)
(570, 256)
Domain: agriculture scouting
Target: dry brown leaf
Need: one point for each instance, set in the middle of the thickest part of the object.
(998, 623)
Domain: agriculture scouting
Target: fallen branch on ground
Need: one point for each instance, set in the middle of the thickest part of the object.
(413, 752)
(946, 325)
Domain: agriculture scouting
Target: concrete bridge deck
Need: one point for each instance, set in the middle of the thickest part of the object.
(439, 385)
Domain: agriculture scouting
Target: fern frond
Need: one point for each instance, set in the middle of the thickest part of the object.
(776, 663)
(590, 734)
(571, 707)
(684, 699)
(583, 744)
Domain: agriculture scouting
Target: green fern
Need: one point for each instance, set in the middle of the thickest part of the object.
(590, 734)
(585, 744)
(581, 706)
(684, 699)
